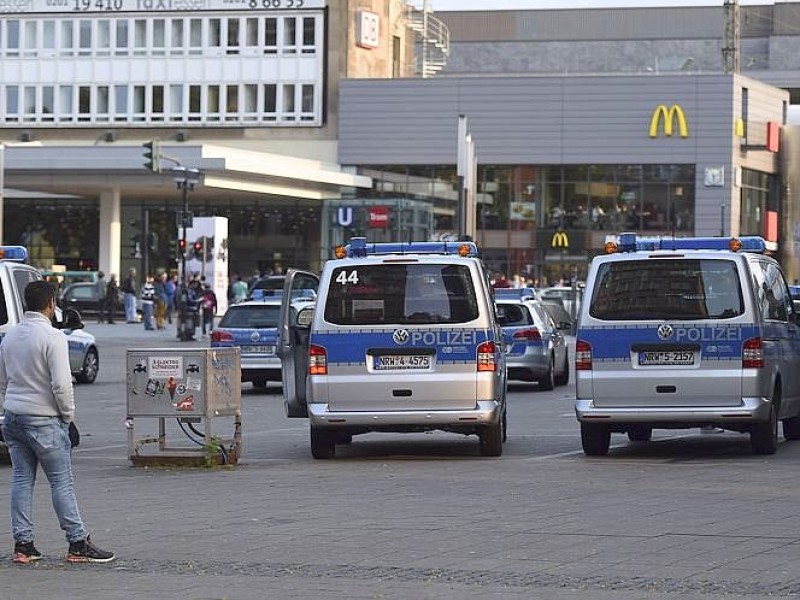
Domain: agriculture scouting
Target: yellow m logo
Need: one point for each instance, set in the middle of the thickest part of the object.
(560, 240)
(669, 115)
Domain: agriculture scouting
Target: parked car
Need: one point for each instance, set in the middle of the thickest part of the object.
(84, 358)
(85, 298)
(536, 349)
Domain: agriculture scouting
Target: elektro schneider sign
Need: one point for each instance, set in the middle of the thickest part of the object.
(664, 120)
(135, 6)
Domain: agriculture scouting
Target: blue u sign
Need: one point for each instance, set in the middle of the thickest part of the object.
(344, 216)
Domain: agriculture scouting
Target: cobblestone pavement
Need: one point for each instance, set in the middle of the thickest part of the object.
(418, 516)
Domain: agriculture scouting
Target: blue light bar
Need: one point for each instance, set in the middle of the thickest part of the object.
(359, 248)
(628, 242)
(16, 253)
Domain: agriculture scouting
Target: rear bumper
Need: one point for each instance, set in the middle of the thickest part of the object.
(751, 410)
(486, 412)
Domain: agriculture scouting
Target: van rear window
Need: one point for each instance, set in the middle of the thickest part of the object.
(401, 294)
(667, 289)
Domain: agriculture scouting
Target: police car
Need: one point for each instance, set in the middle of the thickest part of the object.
(403, 338)
(687, 332)
(536, 349)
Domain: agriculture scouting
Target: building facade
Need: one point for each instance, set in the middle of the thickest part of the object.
(247, 92)
(565, 161)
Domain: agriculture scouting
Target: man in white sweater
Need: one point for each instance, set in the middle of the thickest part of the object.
(38, 404)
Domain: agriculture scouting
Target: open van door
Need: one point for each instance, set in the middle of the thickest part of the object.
(294, 329)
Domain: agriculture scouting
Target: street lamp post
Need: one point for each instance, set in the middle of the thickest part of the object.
(185, 178)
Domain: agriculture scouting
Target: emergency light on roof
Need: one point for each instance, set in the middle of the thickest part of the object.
(628, 242)
(524, 293)
(18, 253)
(359, 248)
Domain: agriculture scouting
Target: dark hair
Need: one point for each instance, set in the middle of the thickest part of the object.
(38, 295)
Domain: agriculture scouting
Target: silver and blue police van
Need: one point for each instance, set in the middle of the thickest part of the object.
(687, 332)
(403, 338)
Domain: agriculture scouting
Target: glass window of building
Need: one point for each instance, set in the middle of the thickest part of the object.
(12, 37)
(30, 38)
(85, 37)
(251, 32)
(67, 38)
(121, 40)
(250, 102)
(212, 103)
(176, 102)
(49, 37)
(139, 103)
(65, 103)
(139, 37)
(48, 103)
(84, 103)
(195, 103)
(270, 101)
(12, 103)
(157, 112)
(195, 36)
(215, 33)
(103, 37)
(176, 38)
(309, 35)
(289, 45)
(307, 103)
(231, 102)
(120, 102)
(29, 103)
(232, 36)
(103, 104)
(288, 107)
(159, 37)
(270, 35)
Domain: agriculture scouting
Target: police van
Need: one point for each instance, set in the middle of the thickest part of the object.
(683, 333)
(403, 338)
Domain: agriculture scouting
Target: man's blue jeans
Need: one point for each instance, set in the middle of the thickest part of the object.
(44, 441)
(130, 307)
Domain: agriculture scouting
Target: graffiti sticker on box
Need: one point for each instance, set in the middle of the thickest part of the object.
(164, 367)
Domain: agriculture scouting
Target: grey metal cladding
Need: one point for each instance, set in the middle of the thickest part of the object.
(534, 120)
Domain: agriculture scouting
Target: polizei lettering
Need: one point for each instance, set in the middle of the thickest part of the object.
(708, 334)
(444, 338)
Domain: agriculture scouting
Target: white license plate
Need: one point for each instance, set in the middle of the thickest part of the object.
(666, 358)
(398, 362)
(258, 349)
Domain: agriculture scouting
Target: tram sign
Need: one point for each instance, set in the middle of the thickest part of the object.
(135, 6)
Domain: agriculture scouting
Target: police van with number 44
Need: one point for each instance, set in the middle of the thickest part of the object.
(687, 332)
(403, 338)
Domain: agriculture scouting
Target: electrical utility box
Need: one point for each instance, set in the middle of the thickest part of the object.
(182, 388)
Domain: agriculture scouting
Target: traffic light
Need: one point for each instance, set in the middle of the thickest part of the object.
(197, 250)
(152, 241)
(181, 248)
(152, 156)
(173, 247)
(136, 246)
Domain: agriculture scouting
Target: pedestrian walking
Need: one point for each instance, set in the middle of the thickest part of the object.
(208, 307)
(39, 405)
(162, 298)
(148, 301)
(112, 298)
(129, 288)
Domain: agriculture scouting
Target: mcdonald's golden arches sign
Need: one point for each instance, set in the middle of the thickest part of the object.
(669, 116)
(559, 240)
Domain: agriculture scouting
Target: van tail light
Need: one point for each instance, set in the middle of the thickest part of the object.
(486, 356)
(753, 354)
(221, 336)
(529, 335)
(583, 356)
(317, 360)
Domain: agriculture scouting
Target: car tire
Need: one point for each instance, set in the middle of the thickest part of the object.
(640, 433)
(322, 443)
(764, 436)
(91, 365)
(791, 428)
(491, 439)
(548, 382)
(563, 377)
(595, 439)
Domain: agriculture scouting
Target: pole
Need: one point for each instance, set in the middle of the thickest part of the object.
(2, 186)
(146, 241)
(184, 219)
(722, 221)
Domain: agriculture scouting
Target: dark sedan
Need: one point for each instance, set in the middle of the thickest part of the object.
(85, 298)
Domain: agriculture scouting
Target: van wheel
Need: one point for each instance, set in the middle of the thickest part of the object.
(322, 443)
(491, 438)
(791, 428)
(563, 377)
(595, 439)
(640, 433)
(764, 436)
(548, 382)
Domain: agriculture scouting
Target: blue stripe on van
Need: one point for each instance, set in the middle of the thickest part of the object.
(717, 342)
(347, 346)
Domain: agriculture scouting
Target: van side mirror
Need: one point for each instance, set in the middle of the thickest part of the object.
(304, 318)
